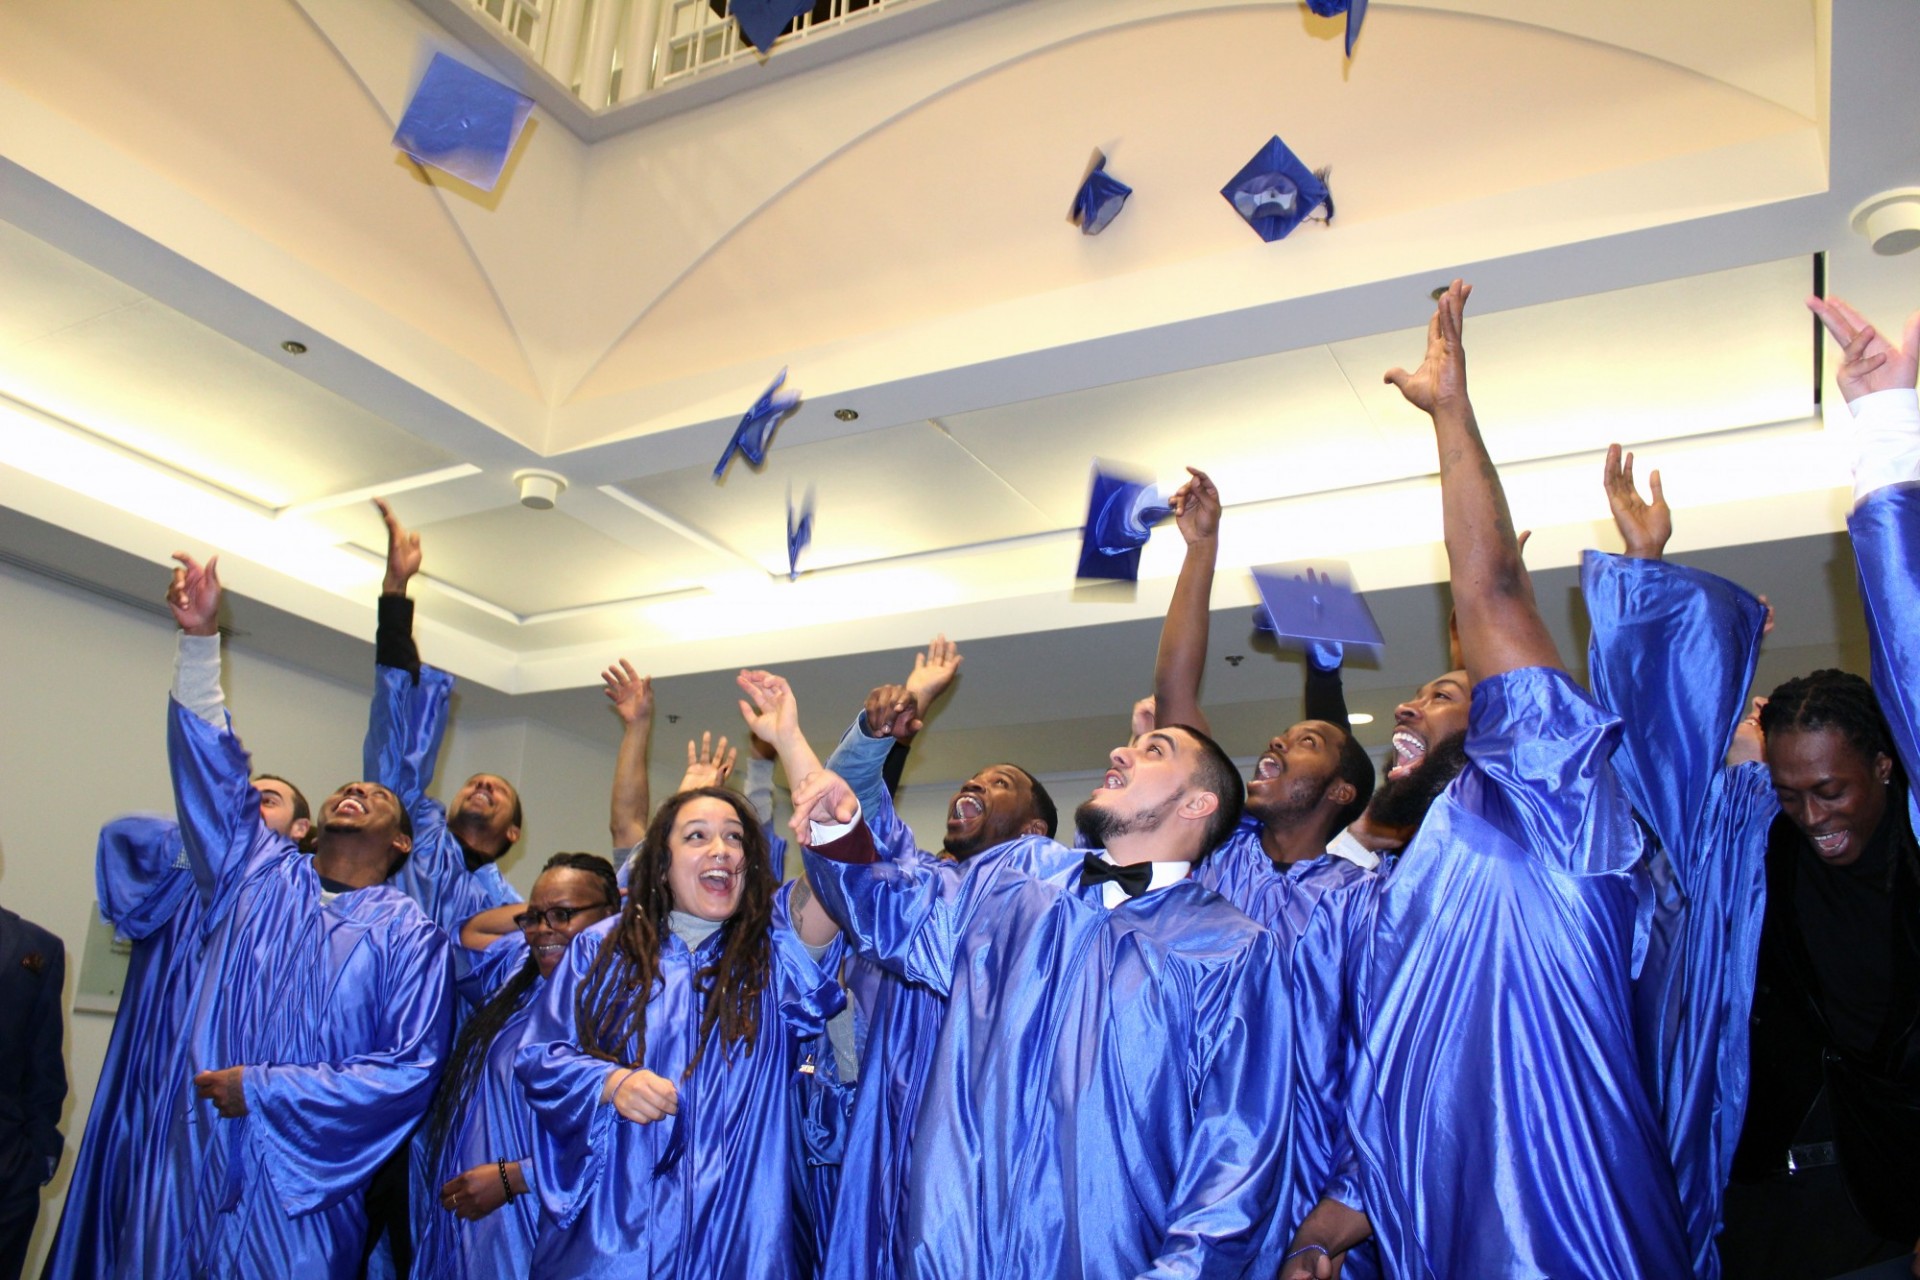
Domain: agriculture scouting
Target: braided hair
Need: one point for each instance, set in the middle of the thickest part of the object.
(469, 1054)
(1836, 700)
(610, 1009)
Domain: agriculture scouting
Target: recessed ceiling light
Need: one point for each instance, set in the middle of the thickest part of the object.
(846, 415)
(293, 347)
(1235, 659)
(1359, 717)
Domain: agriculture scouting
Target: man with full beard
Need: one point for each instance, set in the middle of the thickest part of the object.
(1101, 1100)
(899, 1020)
(1496, 1107)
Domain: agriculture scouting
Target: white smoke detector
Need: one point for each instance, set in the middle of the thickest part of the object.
(539, 490)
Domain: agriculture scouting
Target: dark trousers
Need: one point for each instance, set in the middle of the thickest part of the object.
(17, 1215)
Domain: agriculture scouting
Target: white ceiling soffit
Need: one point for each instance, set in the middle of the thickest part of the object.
(892, 227)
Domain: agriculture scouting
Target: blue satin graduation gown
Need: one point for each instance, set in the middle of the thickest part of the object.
(1672, 653)
(1103, 1099)
(1886, 546)
(707, 1192)
(898, 1025)
(1496, 1104)
(406, 725)
(1306, 906)
(338, 1012)
(495, 1124)
(126, 1211)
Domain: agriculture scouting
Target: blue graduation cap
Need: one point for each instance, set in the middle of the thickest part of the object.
(1356, 11)
(1121, 514)
(462, 122)
(1274, 192)
(1100, 198)
(756, 428)
(762, 21)
(1314, 603)
(799, 532)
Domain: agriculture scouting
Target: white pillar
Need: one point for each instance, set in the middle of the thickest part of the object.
(643, 30)
(597, 71)
(561, 52)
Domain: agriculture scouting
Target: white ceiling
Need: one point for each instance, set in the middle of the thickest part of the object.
(1638, 196)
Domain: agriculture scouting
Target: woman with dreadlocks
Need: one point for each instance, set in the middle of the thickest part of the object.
(660, 1060)
(472, 1167)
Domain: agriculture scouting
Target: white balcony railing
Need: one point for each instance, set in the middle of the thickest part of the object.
(613, 51)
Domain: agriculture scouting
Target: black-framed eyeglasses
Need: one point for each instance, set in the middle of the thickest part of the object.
(553, 917)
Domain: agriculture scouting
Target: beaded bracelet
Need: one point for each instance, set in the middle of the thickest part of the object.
(1302, 1249)
(503, 1179)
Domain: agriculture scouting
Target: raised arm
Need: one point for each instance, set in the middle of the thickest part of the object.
(632, 698)
(1182, 657)
(1500, 627)
(773, 715)
(1672, 653)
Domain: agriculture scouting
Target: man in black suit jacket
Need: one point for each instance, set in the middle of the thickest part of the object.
(33, 1079)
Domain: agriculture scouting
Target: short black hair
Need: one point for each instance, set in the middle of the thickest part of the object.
(1836, 700)
(300, 808)
(1355, 767)
(594, 865)
(1215, 772)
(1043, 806)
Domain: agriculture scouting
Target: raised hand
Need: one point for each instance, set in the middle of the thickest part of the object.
(823, 796)
(769, 708)
(1644, 526)
(403, 552)
(892, 712)
(1441, 379)
(630, 693)
(932, 672)
(1196, 508)
(643, 1097)
(1869, 362)
(1143, 716)
(708, 765)
(194, 595)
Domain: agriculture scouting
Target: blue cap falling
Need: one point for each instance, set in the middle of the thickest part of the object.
(1100, 198)
(1356, 11)
(1121, 513)
(799, 531)
(462, 122)
(1315, 604)
(762, 21)
(1274, 192)
(750, 438)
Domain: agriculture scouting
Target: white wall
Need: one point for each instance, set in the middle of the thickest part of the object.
(82, 700)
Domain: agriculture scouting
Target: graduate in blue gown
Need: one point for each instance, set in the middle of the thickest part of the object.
(1104, 1099)
(128, 1157)
(660, 1062)
(452, 872)
(899, 1019)
(1496, 1105)
(472, 1202)
(315, 1026)
(1280, 865)
(1672, 654)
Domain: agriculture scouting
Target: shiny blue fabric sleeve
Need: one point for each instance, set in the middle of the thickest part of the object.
(214, 797)
(140, 874)
(901, 916)
(861, 760)
(1673, 652)
(324, 1127)
(1547, 750)
(404, 732)
(1886, 550)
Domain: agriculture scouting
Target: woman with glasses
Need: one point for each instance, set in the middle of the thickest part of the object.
(472, 1169)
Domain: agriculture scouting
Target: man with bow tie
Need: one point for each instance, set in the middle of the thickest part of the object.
(1109, 1093)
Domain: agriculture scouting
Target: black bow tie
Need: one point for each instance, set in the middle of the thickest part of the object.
(1134, 879)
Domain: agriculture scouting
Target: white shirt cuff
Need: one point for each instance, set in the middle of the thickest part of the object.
(196, 677)
(1885, 441)
(819, 833)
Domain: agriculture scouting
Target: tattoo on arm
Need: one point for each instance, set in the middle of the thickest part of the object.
(802, 895)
